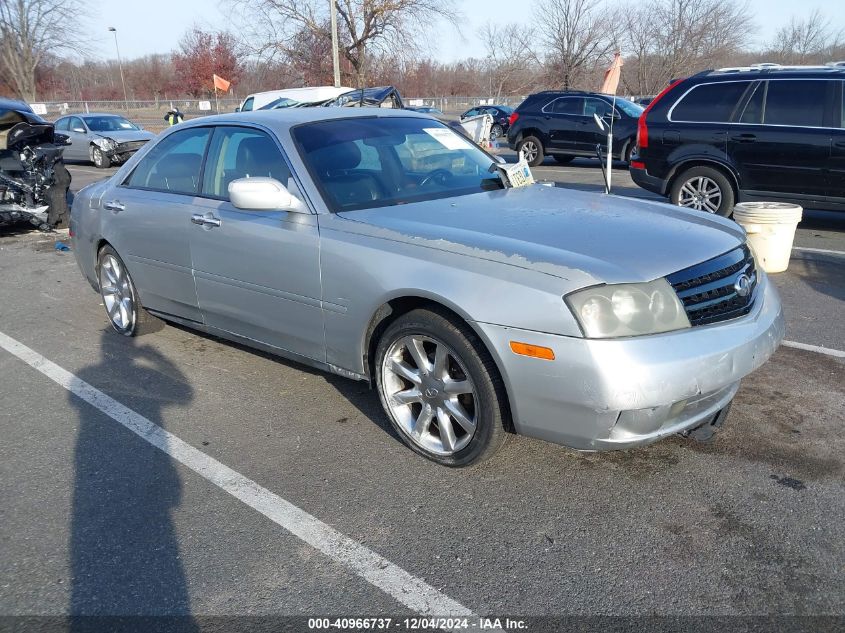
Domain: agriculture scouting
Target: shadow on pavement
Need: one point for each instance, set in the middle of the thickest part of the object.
(124, 552)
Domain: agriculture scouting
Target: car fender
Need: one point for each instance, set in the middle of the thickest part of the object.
(688, 155)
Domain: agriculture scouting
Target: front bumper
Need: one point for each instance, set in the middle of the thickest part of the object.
(621, 393)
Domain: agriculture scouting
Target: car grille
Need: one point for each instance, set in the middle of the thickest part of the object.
(130, 146)
(709, 290)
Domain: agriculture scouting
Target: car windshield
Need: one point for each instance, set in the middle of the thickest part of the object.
(369, 162)
(109, 124)
(629, 107)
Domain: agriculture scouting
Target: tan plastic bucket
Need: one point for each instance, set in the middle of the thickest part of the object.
(771, 229)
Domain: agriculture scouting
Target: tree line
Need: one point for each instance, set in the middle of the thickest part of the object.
(287, 43)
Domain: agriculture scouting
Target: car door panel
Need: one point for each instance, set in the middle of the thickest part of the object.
(147, 220)
(836, 175)
(779, 143)
(78, 148)
(564, 118)
(258, 273)
(150, 234)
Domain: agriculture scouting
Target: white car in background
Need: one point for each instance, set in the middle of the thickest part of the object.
(290, 97)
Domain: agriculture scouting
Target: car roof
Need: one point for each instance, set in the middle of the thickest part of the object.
(289, 117)
(769, 71)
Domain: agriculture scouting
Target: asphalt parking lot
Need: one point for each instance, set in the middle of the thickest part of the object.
(211, 520)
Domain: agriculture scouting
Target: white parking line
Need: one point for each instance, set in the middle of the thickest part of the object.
(804, 249)
(409, 590)
(836, 353)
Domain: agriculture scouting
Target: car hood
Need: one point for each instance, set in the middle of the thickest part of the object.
(584, 237)
(124, 136)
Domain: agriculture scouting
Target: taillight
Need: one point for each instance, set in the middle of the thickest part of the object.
(642, 127)
(513, 117)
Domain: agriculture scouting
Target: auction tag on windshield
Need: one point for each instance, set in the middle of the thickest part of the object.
(518, 175)
(447, 138)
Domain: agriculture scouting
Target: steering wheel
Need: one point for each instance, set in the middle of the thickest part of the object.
(438, 175)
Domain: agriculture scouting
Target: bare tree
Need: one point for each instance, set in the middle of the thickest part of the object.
(576, 35)
(509, 57)
(669, 39)
(30, 30)
(810, 40)
(365, 26)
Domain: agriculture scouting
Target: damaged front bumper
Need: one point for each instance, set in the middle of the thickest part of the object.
(621, 393)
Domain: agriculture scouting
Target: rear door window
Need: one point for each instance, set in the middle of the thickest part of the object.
(174, 164)
(796, 102)
(573, 106)
(709, 103)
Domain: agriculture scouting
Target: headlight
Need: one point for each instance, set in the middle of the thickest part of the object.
(108, 144)
(628, 309)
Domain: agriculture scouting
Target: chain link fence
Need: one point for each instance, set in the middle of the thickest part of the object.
(150, 114)
(147, 114)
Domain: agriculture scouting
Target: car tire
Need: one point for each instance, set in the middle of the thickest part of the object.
(563, 159)
(100, 160)
(704, 189)
(117, 291)
(496, 131)
(628, 151)
(533, 150)
(455, 414)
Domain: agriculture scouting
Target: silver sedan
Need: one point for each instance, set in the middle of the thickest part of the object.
(104, 139)
(382, 246)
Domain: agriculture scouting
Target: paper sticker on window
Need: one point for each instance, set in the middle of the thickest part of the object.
(447, 138)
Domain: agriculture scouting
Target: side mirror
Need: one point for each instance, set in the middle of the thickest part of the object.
(81, 130)
(263, 194)
(500, 159)
(238, 109)
(600, 122)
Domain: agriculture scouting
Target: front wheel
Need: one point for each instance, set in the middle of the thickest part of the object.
(496, 131)
(441, 389)
(99, 158)
(532, 149)
(703, 189)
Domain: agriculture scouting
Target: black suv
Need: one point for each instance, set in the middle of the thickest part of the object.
(725, 136)
(561, 124)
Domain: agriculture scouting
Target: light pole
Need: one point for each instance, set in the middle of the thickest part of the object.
(120, 63)
(335, 61)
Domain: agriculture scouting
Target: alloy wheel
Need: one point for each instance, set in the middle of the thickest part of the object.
(701, 193)
(529, 150)
(117, 294)
(429, 394)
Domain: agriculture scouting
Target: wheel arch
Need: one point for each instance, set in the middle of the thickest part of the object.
(402, 303)
(688, 163)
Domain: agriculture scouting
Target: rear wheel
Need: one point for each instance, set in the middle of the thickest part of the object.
(440, 388)
(120, 297)
(563, 159)
(496, 131)
(532, 149)
(703, 189)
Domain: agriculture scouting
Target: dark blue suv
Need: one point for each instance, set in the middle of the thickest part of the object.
(757, 133)
(561, 125)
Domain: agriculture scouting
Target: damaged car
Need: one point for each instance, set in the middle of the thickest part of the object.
(33, 179)
(104, 139)
(475, 310)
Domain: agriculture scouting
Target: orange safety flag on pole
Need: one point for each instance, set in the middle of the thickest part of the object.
(221, 84)
(611, 76)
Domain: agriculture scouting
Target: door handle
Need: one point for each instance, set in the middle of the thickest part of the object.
(205, 220)
(839, 144)
(744, 138)
(115, 206)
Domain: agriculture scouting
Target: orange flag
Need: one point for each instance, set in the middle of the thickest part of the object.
(611, 76)
(221, 84)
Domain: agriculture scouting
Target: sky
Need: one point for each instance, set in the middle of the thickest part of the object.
(155, 26)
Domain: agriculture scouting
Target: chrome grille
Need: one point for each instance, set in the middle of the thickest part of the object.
(708, 290)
